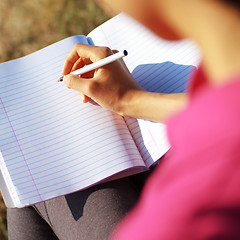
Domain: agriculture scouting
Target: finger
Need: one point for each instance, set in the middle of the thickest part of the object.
(88, 74)
(69, 62)
(89, 52)
(81, 62)
(78, 64)
(85, 99)
(77, 83)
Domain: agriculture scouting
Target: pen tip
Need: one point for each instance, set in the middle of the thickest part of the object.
(125, 52)
(60, 79)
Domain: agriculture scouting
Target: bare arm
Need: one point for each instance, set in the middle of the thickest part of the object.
(154, 106)
(113, 87)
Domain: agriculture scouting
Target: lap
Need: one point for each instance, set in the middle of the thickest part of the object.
(87, 214)
(25, 223)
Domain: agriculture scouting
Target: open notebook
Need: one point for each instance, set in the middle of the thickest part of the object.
(51, 144)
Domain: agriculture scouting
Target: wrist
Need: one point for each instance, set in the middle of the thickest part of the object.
(132, 103)
(152, 106)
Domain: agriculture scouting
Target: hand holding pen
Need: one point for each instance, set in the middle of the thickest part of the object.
(104, 76)
(98, 64)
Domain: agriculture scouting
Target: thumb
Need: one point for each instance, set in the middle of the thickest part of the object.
(77, 83)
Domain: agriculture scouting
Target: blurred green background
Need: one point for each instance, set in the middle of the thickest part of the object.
(29, 25)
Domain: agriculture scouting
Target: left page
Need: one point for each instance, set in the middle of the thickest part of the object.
(50, 143)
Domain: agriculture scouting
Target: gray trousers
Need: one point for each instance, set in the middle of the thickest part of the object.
(88, 214)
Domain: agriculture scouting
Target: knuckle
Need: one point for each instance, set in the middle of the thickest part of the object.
(77, 45)
(93, 87)
(106, 51)
(67, 61)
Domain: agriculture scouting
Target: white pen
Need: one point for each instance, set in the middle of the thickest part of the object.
(97, 64)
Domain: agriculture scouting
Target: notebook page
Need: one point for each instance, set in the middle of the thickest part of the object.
(5, 184)
(150, 138)
(51, 143)
(158, 66)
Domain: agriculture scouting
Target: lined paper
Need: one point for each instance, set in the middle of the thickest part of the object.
(150, 138)
(158, 66)
(51, 143)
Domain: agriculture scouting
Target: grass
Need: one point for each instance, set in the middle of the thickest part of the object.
(29, 25)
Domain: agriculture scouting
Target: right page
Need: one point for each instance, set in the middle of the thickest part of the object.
(158, 65)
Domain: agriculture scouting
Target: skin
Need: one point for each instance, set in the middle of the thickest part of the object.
(214, 26)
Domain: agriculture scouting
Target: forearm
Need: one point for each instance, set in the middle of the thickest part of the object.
(152, 106)
(114, 88)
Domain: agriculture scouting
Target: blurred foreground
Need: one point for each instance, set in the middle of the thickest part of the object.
(29, 25)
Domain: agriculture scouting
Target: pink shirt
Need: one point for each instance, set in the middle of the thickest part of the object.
(195, 191)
